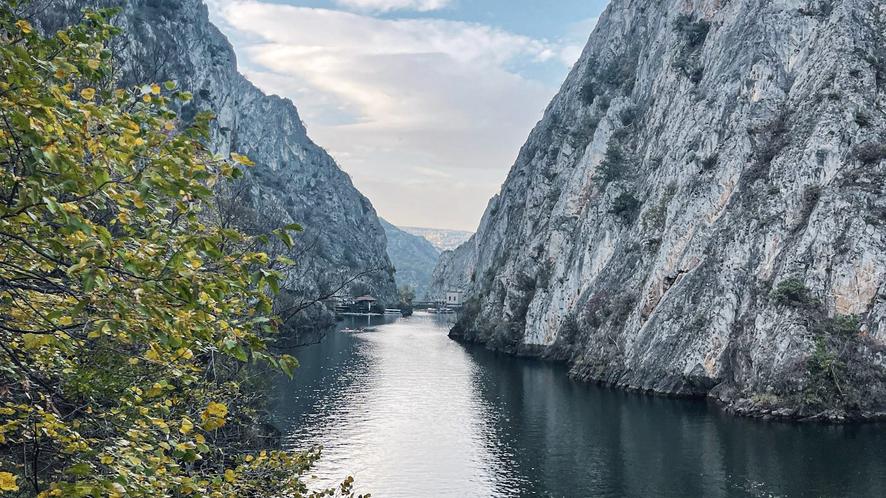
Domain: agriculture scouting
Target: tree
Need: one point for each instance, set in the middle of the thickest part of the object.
(407, 294)
(128, 315)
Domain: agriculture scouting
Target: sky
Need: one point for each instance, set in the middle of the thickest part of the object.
(424, 103)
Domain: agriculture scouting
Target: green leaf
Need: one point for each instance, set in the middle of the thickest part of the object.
(88, 279)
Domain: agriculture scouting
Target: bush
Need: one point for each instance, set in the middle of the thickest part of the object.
(620, 73)
(840, 325)
(655, 217)
(792, 292)
(614, 163)
(775, 139)
(870, 152)
(628, 115)
(688, 58)
(588, 92)
(862, 119)
(626, 207)
(695, 33)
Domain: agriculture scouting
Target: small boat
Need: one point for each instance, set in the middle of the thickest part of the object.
(349, 330)
(441, 311)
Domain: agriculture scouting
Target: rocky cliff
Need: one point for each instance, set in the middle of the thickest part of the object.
(414, 259)
(294, 180)
(454, 271)
(701, 210)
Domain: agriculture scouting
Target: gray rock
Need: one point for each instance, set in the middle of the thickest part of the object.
(700, 205)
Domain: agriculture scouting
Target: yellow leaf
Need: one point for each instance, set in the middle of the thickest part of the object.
(34, 341)
(152, 354)
(245, 161)
(217, 409)
(24, 26)
(186, 426)
(229, 476)
(93, 63)
(87, 93)
(106, 459)
(137, 200)
(65, 320)
(116, 490)
(7, 480)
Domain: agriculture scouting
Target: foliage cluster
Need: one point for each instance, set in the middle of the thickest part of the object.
(871, 152)
(693, 36)
(793, 292)
(614, 165)
(829, 365)
(655, 217)
(626, 207)
(129, 318)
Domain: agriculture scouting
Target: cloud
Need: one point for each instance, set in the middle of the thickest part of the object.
(428, 102)
(389, 5)
(575, 39)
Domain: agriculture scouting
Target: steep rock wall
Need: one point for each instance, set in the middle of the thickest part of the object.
(701, 210)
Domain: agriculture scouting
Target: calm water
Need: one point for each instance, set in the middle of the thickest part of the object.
(410, 413)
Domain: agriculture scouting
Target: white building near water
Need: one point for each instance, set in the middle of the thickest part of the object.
(454, 298)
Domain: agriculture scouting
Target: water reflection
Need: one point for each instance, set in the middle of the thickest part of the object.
(410, 413)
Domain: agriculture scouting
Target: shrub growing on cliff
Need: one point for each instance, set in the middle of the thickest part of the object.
(840, 325)
(588, 92)
(127, 317)
(870, 152)
(792, 292)
(614, 163)
(693, 36)
(626, 207)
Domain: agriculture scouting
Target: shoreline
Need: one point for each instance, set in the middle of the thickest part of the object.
(738, 407)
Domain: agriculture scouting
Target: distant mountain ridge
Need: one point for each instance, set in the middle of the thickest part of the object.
(443, 239)
(413, 257)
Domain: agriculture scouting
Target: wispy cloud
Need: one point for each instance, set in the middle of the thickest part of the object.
(389, 5)
(421, 100)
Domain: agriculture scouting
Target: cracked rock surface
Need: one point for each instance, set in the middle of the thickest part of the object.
(702, 211)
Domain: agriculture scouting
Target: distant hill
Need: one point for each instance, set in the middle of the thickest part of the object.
(444, 240)
(413, 256)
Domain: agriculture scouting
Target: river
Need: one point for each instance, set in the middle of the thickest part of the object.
(410, 413)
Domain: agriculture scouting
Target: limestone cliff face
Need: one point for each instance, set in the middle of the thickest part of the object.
(701, 210)
(294, 180)
(454, 271)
